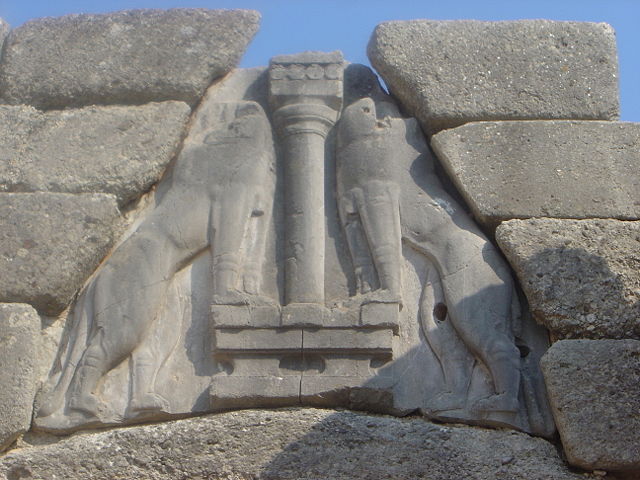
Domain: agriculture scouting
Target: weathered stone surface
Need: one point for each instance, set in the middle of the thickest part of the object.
(208, 326)
(594, 390)
(19, 345)
(4, 31)
(129, 57)
(224, 172)
(50, 243)
(118, 150)
(292, 444)
(565, 169)
(582, 277)
(388, 194)
(447, 73)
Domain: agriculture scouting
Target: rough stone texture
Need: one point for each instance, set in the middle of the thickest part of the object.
(128, 57)
(50, 243)
(594, 389)
(447, 73)
(4, 31)
(118, 150)
(565, 169)
(19, 344)
(292, 444)
(581, 277)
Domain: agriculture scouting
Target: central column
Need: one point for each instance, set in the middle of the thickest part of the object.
(306, 96)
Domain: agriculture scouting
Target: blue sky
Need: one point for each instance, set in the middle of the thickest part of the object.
(290, 26)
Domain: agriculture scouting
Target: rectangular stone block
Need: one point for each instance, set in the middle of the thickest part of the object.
(245, 316)
(126, 57)
(339, 317)
(356, 393)
(303, 314)
(447, 73)
(562, 169)
(50, 243)
(296, 443)
(377, 314)
(581, 277)
(594, 391)
(243, 392)
(258, 340)
(347, 339)
(312, 385)
(115, 149)
(19, 346)
(337, 365)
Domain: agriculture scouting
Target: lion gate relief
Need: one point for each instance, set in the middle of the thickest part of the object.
(301, 250)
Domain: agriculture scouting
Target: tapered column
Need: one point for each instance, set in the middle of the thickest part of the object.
(306, 96)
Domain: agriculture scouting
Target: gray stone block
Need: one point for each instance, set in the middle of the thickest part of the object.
(19, 346)
(378, 314)
(301, 314)
(292, 444)
(258, 340)
(565, 169)
(447, 73)
(245, 316)
(594, 390)
(128, 57)
(581, 277)
(50, 243)
(4, 31)
(350, 340)
(250, 391)
(118, 150)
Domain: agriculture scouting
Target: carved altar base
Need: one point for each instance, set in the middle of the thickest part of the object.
(276, 356)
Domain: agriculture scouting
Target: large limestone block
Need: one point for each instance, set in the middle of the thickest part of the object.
(19, 348)
(581, 277)
(594, 390)
(564, 169)
(50, 243)
(447, 73)
(292, 444)
(128, 57)
(118, 150)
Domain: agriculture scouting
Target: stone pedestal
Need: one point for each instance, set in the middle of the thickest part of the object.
(272, 361)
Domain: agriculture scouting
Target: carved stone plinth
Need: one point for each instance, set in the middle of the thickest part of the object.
(316, 356)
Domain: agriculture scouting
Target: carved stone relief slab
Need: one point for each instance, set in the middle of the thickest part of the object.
(301, 250)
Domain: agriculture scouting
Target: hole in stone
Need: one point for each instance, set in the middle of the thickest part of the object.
(440, 311)
(226, 365)
(524, 350)
(378, 362)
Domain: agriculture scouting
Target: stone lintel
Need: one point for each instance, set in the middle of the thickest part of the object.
(245, 316)
(374, 315)
(284, 340)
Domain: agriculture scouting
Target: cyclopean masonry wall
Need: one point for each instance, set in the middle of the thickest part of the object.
(197, 239)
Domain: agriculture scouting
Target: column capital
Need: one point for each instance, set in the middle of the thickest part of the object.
(307, 78)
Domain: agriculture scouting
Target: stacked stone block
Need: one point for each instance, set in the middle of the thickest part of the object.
(506, 104)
